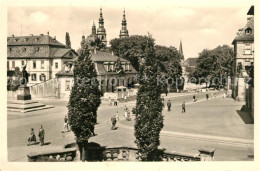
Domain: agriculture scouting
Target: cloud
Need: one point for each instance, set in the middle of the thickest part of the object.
(38, 17)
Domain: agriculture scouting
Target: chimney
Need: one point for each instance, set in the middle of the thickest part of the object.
(12, 35)
(54, 38)
(31, 34)
(112, 53)
(48, 33)
(41, 34)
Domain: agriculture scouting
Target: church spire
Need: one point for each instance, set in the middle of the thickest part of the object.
(101, 31)
(124, 31)
(94, 28)
(181, 51)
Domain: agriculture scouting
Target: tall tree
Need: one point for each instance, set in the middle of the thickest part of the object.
(148, 110)
(167, 58)
(84, 100)
(67, 38)
(129, 48)
(215, 63)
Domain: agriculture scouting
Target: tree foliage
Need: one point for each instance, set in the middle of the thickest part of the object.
(84, 100)
(214, 63)
(148, 110)
(14, 79)
(129, 48)
(132, 48)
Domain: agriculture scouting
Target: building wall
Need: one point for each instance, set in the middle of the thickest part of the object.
(244, 53)
(65, 86)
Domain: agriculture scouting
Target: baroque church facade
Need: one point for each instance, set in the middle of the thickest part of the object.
(113, 71)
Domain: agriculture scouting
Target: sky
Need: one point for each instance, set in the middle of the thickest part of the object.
(199, 26)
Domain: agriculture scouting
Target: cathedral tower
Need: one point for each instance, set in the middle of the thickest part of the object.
(101, 31)
(124, 31)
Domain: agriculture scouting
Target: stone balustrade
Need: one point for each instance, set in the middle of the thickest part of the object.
(96, 152)
(63, 155)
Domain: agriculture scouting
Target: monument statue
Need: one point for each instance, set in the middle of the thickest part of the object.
(25, 76)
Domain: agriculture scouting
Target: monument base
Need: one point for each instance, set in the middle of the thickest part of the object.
(24, 103)
(24, 93)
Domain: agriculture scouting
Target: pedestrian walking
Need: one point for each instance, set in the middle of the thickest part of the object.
(92, 128)
(117, 116)
(194, 98)
(41, 135)
(183, 107)
(126, 112)
(113, 120)
(163, 101)
(125, 98)
(128, 118)
(224, 95)
(32, 137)
(115, 102)
(207, 96)
(65, 126)
(110, 101)
(169, 104)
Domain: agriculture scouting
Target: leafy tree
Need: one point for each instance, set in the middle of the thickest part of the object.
(148, 110)
(84, 100)
(167, 58)
(215, 63)
(14, 79)
(129, 48)
(169, 61)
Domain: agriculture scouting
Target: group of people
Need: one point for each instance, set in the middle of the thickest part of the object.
(32, 137)
(169, 104)
(115, 117)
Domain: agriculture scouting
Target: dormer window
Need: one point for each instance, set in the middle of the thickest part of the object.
(37, 49)
(24, 49)
(248, 31)
(15, 40)
(36, 40)
(25, 40)
(10, 49)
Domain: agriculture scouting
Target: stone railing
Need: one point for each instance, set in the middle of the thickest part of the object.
(63, 155)
(96, 152)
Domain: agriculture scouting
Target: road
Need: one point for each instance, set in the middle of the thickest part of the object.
(215, 117)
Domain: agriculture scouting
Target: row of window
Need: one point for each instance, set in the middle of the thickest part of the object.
(110, 67)
(42, 77)
(34, 64)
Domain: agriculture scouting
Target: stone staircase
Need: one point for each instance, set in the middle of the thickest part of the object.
(25, 106)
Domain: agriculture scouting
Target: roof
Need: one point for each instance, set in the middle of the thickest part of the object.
(191, 62)
(251, 10)
(33, 40)
(99, 58)
(42, 52)
(105, 57)
(242, 35)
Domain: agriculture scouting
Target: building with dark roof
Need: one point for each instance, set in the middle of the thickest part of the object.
(42, 54)
(244, 46)
(109, 75)
(191, 62)
(243, 57)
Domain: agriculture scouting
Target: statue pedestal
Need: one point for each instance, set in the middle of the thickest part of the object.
(24, 93)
